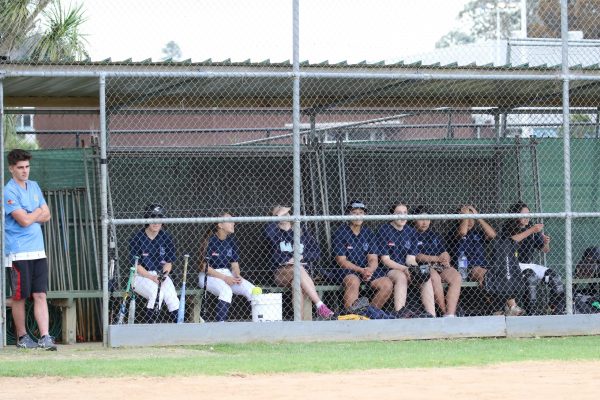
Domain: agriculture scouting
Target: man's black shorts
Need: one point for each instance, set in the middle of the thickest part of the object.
(28, 277)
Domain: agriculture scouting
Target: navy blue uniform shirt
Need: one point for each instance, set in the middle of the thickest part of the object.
(473, 247)
(397, 243)
(221, 253)
(282, 245)
(354, 247)
(152, 252)
(430, 243)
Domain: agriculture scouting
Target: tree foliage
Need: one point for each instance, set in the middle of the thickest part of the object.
(543, 20)
(172, 51)
(454, 38)
(38, 30)
(584, 15)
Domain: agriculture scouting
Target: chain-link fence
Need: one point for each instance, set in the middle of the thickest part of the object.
(436, 186)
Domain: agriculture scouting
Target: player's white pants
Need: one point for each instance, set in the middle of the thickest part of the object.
(539, 270)
(148, 288)
(222, 290)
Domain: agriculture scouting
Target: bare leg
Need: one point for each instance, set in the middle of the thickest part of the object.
(400, 288)
(18, 313)
(40, 310)
(351, 288)
(383, 290)
(452, 277)
(284, 277)
(438, 290)
(427, 297)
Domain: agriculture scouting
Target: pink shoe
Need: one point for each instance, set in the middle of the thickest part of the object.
(324, 311)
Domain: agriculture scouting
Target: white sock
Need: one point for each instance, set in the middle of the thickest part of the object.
(449, 316)
(319, 304)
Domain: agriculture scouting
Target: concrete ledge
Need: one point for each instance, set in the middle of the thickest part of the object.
(304, 331)
(553, 325)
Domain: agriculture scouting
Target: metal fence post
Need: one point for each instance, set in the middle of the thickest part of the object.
(564, 28)
(104, 208)
(297, 291)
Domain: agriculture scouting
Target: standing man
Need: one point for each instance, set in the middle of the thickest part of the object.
(25, 210)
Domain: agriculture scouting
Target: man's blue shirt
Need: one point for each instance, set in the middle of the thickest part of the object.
(21, 239)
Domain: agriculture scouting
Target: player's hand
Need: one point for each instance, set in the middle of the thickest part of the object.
(546, 239)
(230, 280)
(366, 274)
(537, 228)
(238, 279)
(444, 259)
(473, 210)
(167, 268)
(154, 278)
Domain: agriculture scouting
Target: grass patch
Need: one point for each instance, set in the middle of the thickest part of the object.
(292, 357)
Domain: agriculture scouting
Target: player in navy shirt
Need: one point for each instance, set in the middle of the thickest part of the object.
(281, 238)
(469, 239)
(432, 250)
(221, 262)
(356, 252)
(398, 250)
(531, 239)
(155, 250)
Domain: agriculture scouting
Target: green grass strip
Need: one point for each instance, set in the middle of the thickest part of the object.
(291, 357)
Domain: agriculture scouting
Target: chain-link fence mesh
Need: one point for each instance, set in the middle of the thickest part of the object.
(473, 127)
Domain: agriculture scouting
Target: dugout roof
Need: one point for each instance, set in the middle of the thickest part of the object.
(375, 85)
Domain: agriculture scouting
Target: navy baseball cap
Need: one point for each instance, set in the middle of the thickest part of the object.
(354, 204)
(154, 211)
(592, 253)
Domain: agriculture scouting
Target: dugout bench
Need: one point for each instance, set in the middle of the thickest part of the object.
(65, 300)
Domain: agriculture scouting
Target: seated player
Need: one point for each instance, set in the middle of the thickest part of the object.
(531, 239)
(281, 237)
(355, 249)
(431, 249)
(398, 251)
(220, 268)
(156, 251)
(469, 240)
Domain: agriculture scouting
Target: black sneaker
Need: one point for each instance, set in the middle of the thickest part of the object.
(403, 313)
(46, 343)
(359, 305)
(26, 342)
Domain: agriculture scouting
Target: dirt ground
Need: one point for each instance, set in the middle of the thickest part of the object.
(529, 380)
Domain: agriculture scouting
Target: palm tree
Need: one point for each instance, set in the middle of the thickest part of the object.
(34, 31)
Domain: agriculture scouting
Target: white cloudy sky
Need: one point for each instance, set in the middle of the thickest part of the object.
(333, 30)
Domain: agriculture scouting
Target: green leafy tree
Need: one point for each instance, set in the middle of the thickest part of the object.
(172, 51)
(584, 15)
(543, 19)
(38, 31)
(582, 127)
(454, 38)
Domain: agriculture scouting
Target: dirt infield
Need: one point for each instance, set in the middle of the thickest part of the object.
(529, 380)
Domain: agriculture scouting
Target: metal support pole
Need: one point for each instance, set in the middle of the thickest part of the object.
(104, 209)
(597, 122)
(297, 291)
(497, 125)
(564, 29)
(314, 145)
(2, 255)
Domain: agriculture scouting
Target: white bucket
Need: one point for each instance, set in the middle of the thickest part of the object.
(266, 307)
